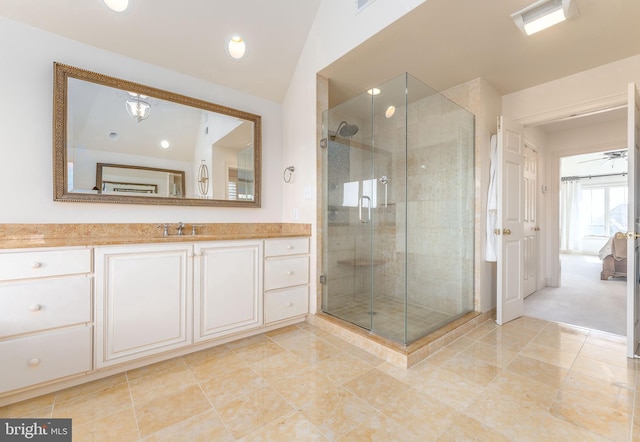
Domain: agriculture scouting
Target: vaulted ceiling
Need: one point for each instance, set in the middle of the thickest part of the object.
(441, 42)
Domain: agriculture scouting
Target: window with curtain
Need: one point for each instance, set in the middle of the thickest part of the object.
(603, 210)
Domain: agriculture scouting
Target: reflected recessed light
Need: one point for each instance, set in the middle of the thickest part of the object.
(236, 47)
(164, 144)
(390, 111)
(117, 5)
(374, 91)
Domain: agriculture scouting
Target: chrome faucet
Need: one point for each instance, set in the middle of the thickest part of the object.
(180, 228)
(165, 228)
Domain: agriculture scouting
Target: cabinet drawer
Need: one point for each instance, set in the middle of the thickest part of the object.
(286, 246)
(286, 272)
(21, 265)
(40, 358)
(30, 306)
(283, 304)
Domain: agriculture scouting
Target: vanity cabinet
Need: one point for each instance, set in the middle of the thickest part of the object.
(228, 287)
(45, 315)
(286, 278)
(68, 314)
(143, 300)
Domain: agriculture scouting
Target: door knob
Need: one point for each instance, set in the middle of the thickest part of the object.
(537, 229)
(628, 235)
(506, 231)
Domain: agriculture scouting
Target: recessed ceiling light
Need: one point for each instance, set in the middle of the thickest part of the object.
(117, 5)
(391, 110)
(236, 47)
(373, 91)
(164, 144)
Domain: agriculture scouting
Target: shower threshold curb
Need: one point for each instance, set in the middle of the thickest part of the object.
(400, 355)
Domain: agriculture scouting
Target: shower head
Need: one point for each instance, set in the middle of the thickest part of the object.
(345, 130)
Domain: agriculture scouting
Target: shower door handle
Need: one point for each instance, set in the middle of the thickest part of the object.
(362, 198)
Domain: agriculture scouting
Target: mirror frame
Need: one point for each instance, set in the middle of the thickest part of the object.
(63, 72)
(100, 173)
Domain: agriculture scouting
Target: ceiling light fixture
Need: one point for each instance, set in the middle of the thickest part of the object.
(236, 47)
(137, 107)
(390, 112)
(543, 14)
(374, 91)
(117, 5)
(164, 144)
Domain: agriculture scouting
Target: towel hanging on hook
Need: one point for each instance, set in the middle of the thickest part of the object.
(290, 169)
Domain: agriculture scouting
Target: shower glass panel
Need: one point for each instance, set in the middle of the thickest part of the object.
(398, 233)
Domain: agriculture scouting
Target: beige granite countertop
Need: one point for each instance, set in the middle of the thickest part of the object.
(15, 236)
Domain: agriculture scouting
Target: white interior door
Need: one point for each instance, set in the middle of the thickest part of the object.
(530, 227)
(510, 178)
(633, 284)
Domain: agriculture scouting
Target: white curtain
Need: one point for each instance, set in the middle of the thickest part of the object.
(570, 234)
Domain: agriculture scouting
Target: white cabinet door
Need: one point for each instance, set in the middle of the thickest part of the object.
(228, 287)
(143, 300)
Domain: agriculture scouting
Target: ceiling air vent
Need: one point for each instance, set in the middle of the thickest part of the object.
(361, 4)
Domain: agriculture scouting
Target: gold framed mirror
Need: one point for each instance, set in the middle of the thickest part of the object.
(103, 122)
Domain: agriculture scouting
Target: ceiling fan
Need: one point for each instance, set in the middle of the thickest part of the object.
(610, 156)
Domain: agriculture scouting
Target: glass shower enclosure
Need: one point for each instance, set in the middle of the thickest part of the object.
(398, 210)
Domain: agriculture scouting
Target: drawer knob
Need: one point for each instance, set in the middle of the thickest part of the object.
(289, 304)
(33, 362)
(289, 247)
(36, 265)
(289, 273)
(34, 307)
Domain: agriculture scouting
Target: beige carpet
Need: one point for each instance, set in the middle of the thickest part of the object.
(583, 299)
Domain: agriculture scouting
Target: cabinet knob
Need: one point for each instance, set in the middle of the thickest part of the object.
(34, 307)
(289, 273)
(36, 265)
(289, 304)
(33, 362)
(289, 247)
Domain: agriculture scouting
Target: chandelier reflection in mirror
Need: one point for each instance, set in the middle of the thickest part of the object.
(138, 106)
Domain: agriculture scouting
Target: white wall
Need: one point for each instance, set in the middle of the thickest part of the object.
(26, 88)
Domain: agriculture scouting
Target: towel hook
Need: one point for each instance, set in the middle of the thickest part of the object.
(290, 169)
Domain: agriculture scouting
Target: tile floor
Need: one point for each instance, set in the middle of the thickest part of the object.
(529, 380)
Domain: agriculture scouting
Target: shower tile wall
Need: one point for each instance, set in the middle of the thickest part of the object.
(439, 193)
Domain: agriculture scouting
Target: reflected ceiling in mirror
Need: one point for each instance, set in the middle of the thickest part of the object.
(100, 119)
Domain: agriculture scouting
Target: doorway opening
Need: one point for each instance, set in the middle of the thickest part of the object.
(589, 195)
(593, 208)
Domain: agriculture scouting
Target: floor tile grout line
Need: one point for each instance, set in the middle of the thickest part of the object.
(215, 410)
(133, 406)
